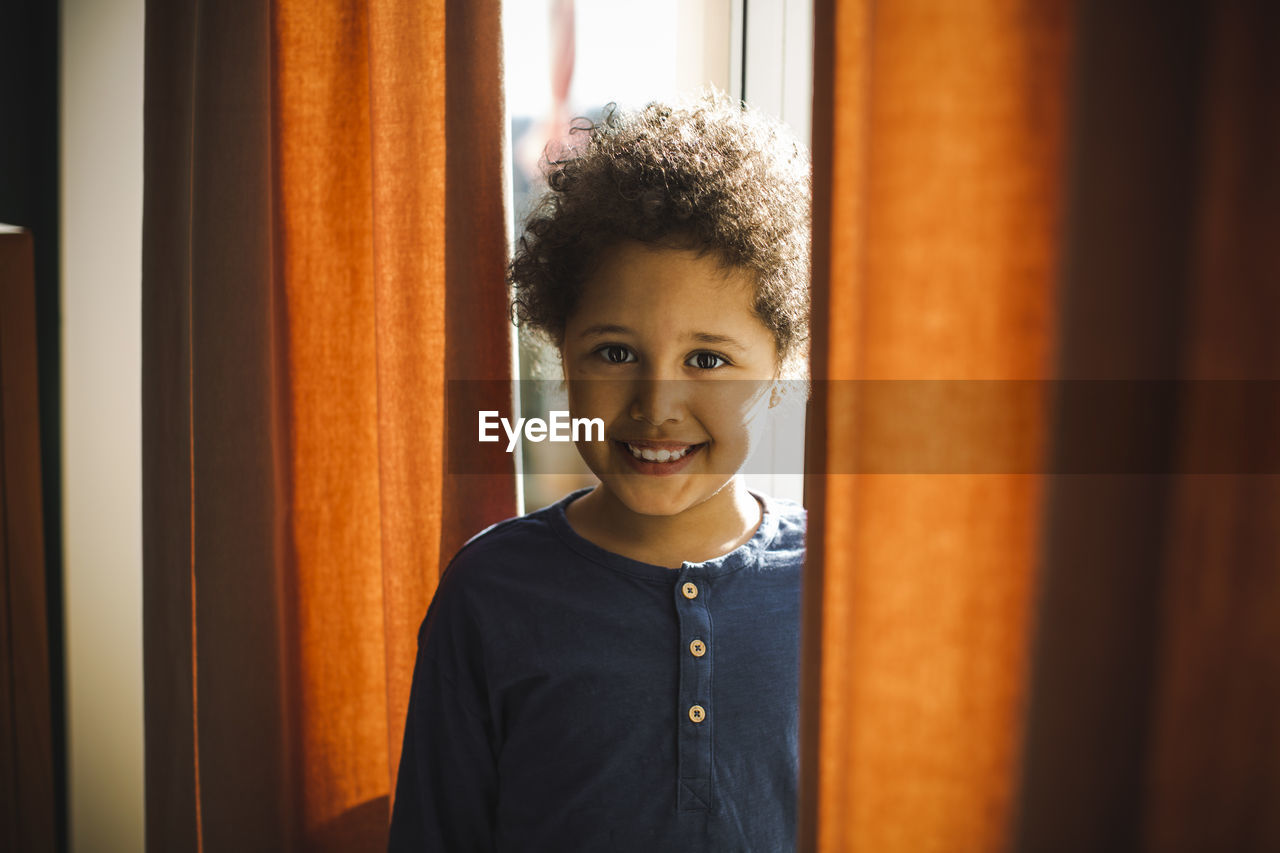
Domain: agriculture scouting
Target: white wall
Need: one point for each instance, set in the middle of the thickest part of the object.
(102, 51)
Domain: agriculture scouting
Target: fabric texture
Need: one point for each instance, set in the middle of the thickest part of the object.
(937, 207)
(324, 240)
(1080, 191)
(553, 701)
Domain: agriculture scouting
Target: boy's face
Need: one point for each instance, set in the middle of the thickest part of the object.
(665, 348)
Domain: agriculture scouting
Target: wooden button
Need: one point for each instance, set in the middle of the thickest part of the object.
(698, 648)
(697, 713)
(690, 590)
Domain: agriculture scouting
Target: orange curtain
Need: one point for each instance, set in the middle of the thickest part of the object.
(313, 172)
(1044, 660)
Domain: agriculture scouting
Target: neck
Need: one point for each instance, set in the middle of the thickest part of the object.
(703, 532)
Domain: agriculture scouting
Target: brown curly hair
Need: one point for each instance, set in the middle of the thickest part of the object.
(712, 175)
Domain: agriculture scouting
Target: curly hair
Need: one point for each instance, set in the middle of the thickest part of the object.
(711, 175)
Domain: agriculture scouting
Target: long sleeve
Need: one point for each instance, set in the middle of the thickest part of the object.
(446, 790)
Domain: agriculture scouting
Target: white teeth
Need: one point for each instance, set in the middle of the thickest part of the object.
(663, 455)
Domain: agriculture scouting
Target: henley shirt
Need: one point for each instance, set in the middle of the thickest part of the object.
(567, 698)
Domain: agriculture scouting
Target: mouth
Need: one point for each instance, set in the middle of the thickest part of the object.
(658, 457)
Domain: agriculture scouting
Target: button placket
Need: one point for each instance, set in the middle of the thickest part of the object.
(695, 710)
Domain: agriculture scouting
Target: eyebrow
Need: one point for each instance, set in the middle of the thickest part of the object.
(700, 337)
(719, 340)
(604, 329)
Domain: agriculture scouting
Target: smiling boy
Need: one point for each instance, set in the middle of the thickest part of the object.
(619, 671)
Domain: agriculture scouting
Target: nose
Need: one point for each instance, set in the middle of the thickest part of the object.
(659, 401)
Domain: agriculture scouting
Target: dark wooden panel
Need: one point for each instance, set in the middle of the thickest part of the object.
(27, 751)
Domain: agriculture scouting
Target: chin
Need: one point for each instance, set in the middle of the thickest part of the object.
(651, 496)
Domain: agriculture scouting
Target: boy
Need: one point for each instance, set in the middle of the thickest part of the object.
(619, 671)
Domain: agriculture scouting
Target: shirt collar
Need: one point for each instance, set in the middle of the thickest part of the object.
(745, 554)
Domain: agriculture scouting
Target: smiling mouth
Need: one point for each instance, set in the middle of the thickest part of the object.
(658, 451)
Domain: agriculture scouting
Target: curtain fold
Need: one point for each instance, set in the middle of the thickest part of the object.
(298, 335)
(1050, 660)
(937, 203)
(1156, 728)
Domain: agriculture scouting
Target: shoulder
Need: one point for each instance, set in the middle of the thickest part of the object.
(785, 547)
(515, 546)
(512, 537)
(791, 515)
(792, 518)
(491, 573)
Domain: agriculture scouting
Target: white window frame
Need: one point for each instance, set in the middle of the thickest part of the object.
(772, 58)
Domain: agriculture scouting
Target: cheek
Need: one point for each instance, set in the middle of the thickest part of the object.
(735, 407)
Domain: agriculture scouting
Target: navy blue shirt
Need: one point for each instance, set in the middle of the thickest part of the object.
(568, 698)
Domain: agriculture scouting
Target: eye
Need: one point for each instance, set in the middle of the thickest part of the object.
(706, 360)
(616, 354)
